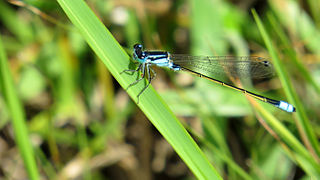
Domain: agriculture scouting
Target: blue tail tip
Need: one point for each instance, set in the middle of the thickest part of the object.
(286, 107)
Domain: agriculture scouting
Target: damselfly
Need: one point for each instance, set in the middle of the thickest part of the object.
(208, 67)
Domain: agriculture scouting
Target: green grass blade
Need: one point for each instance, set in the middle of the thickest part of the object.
(313, 6)
(17, 115)
(283, 38)
(292, 142)
(116, 60)
(222, 152)
(305, 127)
(11, 21)
(299, 24)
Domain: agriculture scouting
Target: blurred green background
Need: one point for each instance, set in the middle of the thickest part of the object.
(83, 125)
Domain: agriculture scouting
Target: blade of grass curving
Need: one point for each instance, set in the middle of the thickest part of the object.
(220, 149)
(313, 6)
(17, 114)
(304, 126)
(300, 24)
(17, 26)
(277, 28)
(292, 142)
(116, 60)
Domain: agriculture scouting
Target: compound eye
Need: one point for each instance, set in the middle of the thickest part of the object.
(137, 46)
(137, 51)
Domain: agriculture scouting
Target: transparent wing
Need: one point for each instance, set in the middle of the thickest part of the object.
(252, 67)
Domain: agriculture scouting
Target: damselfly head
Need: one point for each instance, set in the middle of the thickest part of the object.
(137, 46)
(137, 52)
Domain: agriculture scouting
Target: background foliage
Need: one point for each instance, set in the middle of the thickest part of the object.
(56, 92)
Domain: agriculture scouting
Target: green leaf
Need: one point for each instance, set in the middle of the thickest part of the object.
(18, 116)
(116, 60)
(306, 131)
